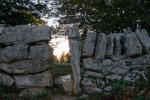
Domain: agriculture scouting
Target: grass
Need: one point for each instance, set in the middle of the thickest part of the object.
(61, 69)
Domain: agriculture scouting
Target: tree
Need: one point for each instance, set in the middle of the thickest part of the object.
(105, 15)
(14, 12)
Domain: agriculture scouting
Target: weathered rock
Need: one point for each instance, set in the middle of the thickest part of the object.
(108, 88)
(94, 74)
(120, 71)
(131, 45)
(88, 82)
(13, 53)
(66, 83)
(1, 30)
(144, 39)
(110, 45)
(93, 90)
(75, 53)
(92, 64)
(40, 52)
(25, 66)
(25, 34)
(6, 79)
(36, 80)
(113, 77)
(101, 46)
(118, 46)
(89, 44)
(33, 92)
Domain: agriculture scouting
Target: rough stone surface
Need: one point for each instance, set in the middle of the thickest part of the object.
(12, 53)
(75, 53)
(110, 45)
(89, 44)
(118, 46)
(144, 38)
(6, 79)
(40, 52)
(25, 66)
(100, 51)
(25, 34)
(25, 58)
(37, 80)
(117, 57)
(92, 64)
(66, 83)
(131, 45)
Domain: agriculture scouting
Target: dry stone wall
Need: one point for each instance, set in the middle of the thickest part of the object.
(105, 59)
(25, 58)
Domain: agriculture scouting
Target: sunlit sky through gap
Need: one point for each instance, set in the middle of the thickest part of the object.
(59, 43)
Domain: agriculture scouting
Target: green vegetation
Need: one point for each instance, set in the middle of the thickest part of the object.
(16, 12)
(105, 15)
(61, 69)
(9, 92)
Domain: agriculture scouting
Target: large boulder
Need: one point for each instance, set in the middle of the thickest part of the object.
(6, 79)
(144, 39)
(43, 79)
(66, 83)
(131, 45)
(13, 53)
(101, 46)
(89, 44)
(25, 34)
(25, 66)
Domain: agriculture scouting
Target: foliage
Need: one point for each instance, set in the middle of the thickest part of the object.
(15, 12)
(105, 15)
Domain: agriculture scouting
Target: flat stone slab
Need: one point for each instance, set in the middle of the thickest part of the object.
(25, 66)
(24, 34)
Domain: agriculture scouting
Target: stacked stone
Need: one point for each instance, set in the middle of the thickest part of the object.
(117, 56)
(25, 58)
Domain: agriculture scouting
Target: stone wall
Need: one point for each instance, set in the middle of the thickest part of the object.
(104, 59)
(25, 58)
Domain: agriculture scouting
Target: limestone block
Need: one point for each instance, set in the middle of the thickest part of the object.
(118, 46)
(144, 39)
(6, 79)
(25, 66)
(101, 46)
(131, 45)
(92, 64)
(110, 45)
(75, 53)
(25, 34)
(89, 44)
(40, 52)
(12, 53)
